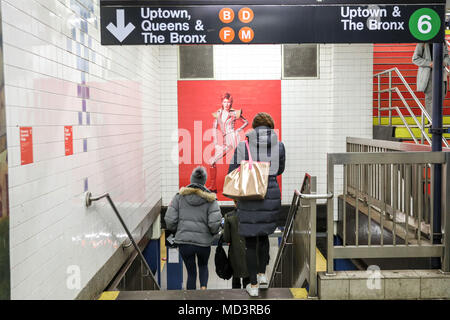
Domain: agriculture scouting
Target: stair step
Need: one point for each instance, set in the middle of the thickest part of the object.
(221, 294)
(397, 121)
(403, 133)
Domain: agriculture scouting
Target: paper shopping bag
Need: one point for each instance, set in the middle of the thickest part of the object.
(249, 181)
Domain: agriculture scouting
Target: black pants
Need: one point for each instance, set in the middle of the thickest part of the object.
(236, 283)
(257, 255)
(188, 253)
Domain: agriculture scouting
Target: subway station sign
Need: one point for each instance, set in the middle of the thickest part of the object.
(270, 22)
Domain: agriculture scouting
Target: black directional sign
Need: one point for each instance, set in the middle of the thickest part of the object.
(270, 24)
(262, 2)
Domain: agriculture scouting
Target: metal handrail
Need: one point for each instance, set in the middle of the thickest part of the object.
(88, 202)
(286, 232)
(420, 126)
(384, 145)
(424, 113)
(407, 125)
(448, 45)
(370, 194)
(295, 271)
(374, 177)
(313, 196)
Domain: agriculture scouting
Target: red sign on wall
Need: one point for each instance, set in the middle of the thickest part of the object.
(68, 140)
(26, 145)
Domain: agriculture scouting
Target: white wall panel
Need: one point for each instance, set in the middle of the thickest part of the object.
(169, 121)
(352, 67)
(247, 62)
(57, 74)
(306, 115)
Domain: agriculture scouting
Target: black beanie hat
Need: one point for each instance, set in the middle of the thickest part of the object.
(199, 175)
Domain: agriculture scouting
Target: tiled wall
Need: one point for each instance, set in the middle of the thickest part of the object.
(352, 67)
(169, 121)
(317, 114)
(307, 114)
(57, 74)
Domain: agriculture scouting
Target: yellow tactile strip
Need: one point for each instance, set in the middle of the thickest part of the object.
(163, 249)
(109, 295)
(397, 121)
(401, 132)
(299, 293)
(321, 262)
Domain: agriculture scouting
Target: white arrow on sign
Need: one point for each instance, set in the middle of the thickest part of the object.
(120, 32)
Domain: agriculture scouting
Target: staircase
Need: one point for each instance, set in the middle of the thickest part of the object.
(401, 133)
(407, 119)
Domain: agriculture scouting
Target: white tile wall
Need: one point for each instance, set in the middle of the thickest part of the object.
(317, 114)
(247, 62)
(54, 61)
(307, 117)
(169, 121)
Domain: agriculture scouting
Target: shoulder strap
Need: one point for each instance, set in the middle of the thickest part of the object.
(250, 159)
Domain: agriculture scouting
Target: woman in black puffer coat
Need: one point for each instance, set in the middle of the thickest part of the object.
(258, 218)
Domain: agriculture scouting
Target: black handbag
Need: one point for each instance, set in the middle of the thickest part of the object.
(223, 265)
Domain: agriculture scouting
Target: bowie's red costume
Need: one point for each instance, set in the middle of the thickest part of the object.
(224, 121)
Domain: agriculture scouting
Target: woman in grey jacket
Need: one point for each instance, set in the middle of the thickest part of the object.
(194, 215)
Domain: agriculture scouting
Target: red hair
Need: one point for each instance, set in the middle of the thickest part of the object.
(228, 96)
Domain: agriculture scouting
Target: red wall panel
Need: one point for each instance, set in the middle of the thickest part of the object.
(198, 100)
